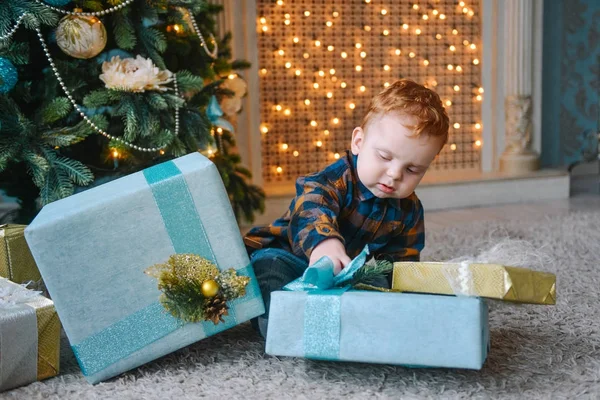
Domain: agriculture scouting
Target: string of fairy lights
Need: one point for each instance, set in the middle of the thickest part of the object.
(320, 64)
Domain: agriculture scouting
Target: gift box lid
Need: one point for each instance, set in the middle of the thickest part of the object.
(495, 281)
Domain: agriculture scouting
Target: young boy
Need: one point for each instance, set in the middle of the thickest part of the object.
(366, 197)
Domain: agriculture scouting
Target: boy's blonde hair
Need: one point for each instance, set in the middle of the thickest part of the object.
(409, 98)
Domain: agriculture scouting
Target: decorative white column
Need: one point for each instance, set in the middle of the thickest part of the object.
(518, 156)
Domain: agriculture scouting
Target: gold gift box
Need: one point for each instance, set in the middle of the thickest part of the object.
(16, 262)
(48, 337)
(493, 281)
(48, 341)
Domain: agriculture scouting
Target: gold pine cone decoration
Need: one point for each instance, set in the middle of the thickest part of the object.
(215, 308)
(81, 36)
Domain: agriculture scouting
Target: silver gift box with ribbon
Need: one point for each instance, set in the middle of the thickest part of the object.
(29, 336)
(92, 250)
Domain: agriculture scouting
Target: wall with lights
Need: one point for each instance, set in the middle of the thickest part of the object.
(320, 64)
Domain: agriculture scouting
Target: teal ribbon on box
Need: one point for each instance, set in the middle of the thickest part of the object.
(322, 314)
(187, 234)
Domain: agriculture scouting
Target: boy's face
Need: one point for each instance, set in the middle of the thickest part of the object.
(391, 160)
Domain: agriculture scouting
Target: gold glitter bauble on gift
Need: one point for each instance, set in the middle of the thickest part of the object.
(210, 288)
(81, 36)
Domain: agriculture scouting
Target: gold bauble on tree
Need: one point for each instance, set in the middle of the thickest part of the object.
(81, 36)
(210, 288)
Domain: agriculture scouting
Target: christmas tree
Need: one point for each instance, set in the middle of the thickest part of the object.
(91, 90)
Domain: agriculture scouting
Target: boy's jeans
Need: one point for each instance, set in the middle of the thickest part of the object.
(275, 268)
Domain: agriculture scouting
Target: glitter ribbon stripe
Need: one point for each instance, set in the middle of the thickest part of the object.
(323, 309)
(178, 211)
(322, 324)
(152, 323)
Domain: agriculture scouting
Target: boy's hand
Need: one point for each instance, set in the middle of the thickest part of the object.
(335, 250)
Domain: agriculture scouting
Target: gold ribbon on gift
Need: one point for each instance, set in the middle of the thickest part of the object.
(48, 362)
(16, 261)
(493, 281)
(29, 336)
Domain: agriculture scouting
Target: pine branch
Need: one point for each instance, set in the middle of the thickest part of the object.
(37, 167)
(60, 137)
(61, 176)
(178, 147)
(74, 170)
(6, 20)
(158, 39)
(221, 66)
(173, 101)
(197, 7)
(212, 87)
(149, 122)
(26, 127)
(66, 136)
(16, 52)
(372, 271)
(225, 92)
(10, 116)
(38, 14)
(240, 64)
(153, 42)
(127, 109)
(93, 5)
(157, 102)
(131, 125)
(226, 41)
(9, 150)
(65, 186)
(48, 192)
(57, 109)
(196, 126)
(150, 11)
(188, 82)
(164, 138)
(82, 129)
(100, 98)
(124, 31)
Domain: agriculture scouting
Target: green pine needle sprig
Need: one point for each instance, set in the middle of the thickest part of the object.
(371, 272)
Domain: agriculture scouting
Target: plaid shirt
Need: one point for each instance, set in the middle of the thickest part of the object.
(334, 203)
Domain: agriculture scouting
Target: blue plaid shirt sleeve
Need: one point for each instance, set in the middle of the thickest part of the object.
(314, 213)
(408, 243)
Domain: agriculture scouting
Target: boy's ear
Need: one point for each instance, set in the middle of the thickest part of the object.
(358, 137)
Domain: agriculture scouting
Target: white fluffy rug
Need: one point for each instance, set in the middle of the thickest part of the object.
(537, 352)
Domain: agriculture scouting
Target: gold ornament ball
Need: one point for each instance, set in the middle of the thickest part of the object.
(210, 288)
(81, 36)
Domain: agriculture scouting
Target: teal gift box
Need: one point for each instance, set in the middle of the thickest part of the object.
(386, 328)
(321, 317)
(93, 249)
